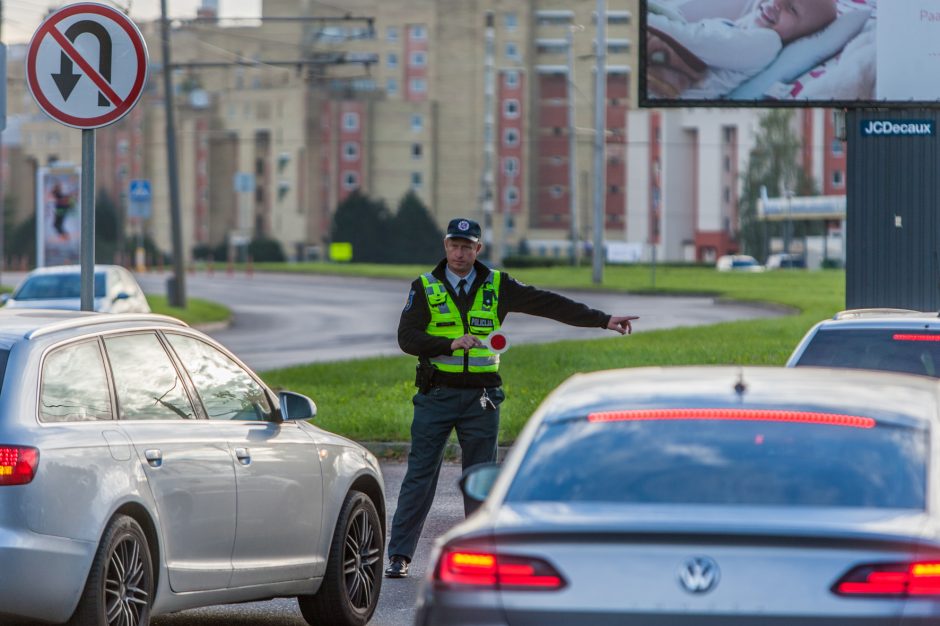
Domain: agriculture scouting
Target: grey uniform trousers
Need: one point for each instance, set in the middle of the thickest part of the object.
(436, 414)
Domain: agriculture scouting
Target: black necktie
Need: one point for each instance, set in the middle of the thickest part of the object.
(461, 289)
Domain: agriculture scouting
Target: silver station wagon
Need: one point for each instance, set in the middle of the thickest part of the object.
(144, 469)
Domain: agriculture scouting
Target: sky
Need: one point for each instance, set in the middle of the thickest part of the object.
(21, 18)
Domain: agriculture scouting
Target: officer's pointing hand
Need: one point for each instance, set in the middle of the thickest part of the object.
(621, 323)
(465, 343)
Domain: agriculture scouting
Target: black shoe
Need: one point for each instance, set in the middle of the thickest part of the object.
(397, 567)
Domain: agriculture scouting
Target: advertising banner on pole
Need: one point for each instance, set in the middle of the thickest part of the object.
(58, 215)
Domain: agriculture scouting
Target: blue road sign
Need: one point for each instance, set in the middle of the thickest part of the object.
(140, 199)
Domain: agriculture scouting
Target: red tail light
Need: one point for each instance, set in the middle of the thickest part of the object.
(899, 580)
(17, 464)
(747, 415)
(470, 568)
(914, 337)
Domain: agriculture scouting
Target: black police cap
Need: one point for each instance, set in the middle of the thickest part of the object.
(464, 229)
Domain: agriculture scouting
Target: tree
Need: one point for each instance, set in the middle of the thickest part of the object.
(773, 164)
(364, 223)
(415, 236)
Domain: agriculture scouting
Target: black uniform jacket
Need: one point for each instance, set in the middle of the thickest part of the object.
(513, 296)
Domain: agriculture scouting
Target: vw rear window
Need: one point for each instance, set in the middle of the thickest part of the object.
(910, 352)
(725, 462)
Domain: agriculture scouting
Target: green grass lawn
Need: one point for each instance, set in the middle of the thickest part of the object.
(370, 399)
(196, 313)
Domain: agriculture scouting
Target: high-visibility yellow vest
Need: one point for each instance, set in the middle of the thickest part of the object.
(446, 321)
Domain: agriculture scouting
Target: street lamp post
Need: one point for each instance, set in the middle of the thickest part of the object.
(787, 225)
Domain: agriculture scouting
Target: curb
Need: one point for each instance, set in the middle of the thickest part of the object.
(398, 451)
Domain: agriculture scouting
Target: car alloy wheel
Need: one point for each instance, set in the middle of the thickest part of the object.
(351, 584)
(361, 554)
(119, 590)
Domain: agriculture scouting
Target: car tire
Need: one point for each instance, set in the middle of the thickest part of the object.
(350, 589)
(119, 589)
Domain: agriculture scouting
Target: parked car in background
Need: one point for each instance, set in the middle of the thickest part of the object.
(785, 261)
(738, 263)
(144, 469)
(59, 287)
(894, 340)
(705, 495)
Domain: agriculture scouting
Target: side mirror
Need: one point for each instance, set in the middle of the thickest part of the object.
(296, 406)
(478, 480)
(121, 296)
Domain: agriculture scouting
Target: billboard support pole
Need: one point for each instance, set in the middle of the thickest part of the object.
(600, 115)
(572, 157)
(88, 221)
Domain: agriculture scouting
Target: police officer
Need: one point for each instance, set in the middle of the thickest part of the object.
(450, 310)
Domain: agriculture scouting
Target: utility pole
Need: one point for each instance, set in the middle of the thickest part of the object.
(600, 124)
(3, 156)
(176, 288)
(572, 157)
(489, 132)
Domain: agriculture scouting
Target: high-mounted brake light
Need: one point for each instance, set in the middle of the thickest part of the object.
(17, 464)
(746, 415)
(914, 337)
(461, 568)
(900, 580)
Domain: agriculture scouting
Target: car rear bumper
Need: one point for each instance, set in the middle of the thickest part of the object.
(42, 576)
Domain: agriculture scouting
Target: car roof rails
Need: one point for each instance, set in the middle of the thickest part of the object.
(849, 314)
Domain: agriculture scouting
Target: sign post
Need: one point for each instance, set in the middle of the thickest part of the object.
(140, 209)
(86, 67)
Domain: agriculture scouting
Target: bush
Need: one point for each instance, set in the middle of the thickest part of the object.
(263, 250)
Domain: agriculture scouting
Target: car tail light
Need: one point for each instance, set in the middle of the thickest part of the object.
(915, 337)
(473, 568)
(899, 580)
(17, 464)
(748, 415)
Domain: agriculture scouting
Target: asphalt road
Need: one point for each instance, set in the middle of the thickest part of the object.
(286, 319)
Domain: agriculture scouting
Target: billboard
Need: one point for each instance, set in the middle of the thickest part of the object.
(58, 215)
(792, 53)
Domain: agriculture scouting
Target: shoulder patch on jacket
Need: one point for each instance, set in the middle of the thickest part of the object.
(411, 300)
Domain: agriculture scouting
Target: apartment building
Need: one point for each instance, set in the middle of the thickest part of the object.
(466, 102)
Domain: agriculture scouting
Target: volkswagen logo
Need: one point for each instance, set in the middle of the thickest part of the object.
(699, 574)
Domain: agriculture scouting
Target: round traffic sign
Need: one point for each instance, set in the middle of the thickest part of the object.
(86, 65)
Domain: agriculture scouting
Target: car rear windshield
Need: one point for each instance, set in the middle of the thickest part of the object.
(725, 462)
(52, 286)
(908, 351)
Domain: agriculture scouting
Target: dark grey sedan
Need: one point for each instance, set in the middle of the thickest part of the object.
(144, 469)
(708, 496)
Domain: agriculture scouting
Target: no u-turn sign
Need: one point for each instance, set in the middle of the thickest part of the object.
(86, 65)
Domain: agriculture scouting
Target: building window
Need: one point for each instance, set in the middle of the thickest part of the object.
(556, 191)
(614, 190)
(511, 22)
(616, 46)
(837, 179)
(350, 180)
(512, 51)
(416, 180)
(511, 166)
(416, 151)
(419, 58)
(727, 164)
(551, 46)
(511, 108)
(729, 134)
(391, 86)
(418, 33)
(350, 121)
(350, 151)
(417, 123)
(553, 18)
(511, 137)
(614, 17)
(391, 60)
(511, 79)
(511, 195)
(836, 147)
(727, 195)
(391, 33)
(418, 85)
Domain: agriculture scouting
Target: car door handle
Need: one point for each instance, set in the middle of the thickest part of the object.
(154, 457)
(243, 455)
